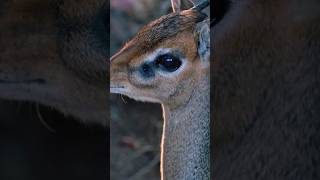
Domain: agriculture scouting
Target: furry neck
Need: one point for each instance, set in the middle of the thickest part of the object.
(186, 137)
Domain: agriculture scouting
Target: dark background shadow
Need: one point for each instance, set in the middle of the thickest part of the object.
(30, 151)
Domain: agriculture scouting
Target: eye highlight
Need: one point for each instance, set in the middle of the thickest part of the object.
(168, 62)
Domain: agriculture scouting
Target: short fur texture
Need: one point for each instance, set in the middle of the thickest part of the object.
(266, 74)
(54, 52)
(157, 31)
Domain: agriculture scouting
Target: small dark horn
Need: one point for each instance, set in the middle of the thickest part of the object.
(201, 5)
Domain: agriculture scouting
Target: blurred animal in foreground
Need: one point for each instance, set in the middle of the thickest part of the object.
(266, 90)
(54, 53)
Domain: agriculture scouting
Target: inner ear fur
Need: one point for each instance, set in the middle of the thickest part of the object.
(202, 38)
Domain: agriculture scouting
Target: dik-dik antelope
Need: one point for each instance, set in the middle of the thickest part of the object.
(266, 83)
(54, 52)
(168, 62)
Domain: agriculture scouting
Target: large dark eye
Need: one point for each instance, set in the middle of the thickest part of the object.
(168, 62)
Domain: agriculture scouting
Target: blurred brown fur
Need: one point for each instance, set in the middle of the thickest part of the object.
(266, 91)
(55, 53)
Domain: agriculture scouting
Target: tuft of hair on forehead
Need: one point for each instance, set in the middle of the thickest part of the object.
(160, 29)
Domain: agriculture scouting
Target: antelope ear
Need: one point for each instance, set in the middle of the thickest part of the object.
(203, 39)
(176, 5)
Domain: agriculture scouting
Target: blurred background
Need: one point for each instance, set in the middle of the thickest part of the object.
(135, 127)
(37, 142)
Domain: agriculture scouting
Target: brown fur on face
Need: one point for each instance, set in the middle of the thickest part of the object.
(163, 28)
(173, 90)
(54, 52)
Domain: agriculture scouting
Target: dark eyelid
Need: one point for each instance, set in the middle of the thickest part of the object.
(174, 52)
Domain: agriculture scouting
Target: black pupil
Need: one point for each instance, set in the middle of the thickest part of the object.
(168, 62)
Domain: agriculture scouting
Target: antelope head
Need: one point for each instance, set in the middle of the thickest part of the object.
(165, 59)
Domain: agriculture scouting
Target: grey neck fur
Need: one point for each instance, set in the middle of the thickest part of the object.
(186, 137)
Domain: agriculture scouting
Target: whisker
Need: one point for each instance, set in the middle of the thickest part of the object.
(123, 99)
(43, 121)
